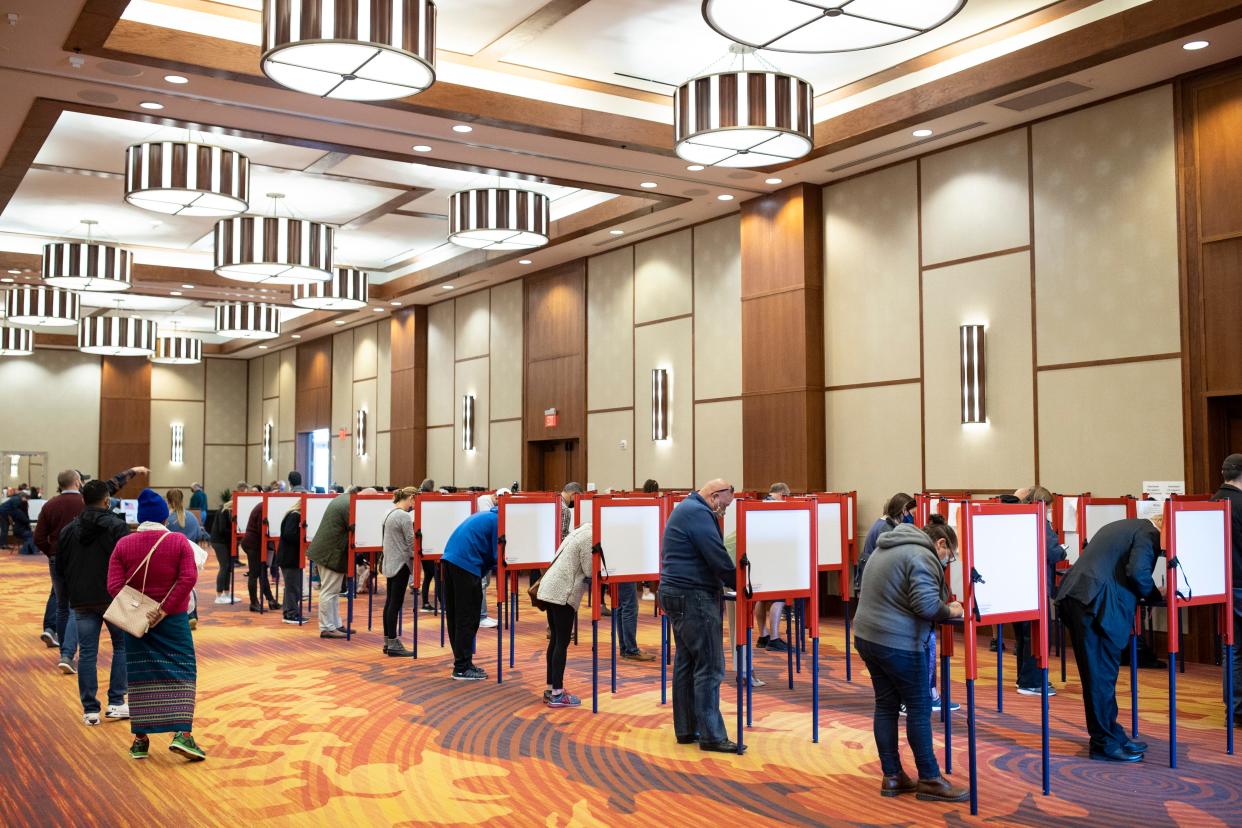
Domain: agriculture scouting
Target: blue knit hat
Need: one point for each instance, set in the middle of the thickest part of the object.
(151, 507)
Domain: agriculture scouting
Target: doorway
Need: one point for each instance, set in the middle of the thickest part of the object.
(550, 464)
(319, 459)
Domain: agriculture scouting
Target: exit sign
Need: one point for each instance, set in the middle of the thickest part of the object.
(550, 418)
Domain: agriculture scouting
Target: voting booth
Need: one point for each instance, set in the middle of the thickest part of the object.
(529, 528)
(436, 516)
(275, 506)
(833, 516)
(244, 503)
(313, 507)
(366, 537)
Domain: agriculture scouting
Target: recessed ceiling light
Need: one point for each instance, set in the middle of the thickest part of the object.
(446, 287)
(395, 303)
(177, 79)
(1195, 45)
(151, 105)
(694, 167)
(772, 181)
(262, 347)
(16, 272)
(648, 185)
(523, 261)
(338, 321)
(921, 133)
(188, 287)
(421, 148)
(378, 310)
(462, 128)
(295, 336)
(174, 293)
(7, 280)
(724, 197)
(616, 232)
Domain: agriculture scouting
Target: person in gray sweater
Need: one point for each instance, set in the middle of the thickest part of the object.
(903, 597)
(560, 591)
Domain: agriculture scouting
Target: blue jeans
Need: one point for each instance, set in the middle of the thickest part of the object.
(931, 664)
(66, 633)
(627, 617)
(698, 666)
(900, 677)
(89, 624)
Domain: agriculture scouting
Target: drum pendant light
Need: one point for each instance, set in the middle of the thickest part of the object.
(273, 250)
(178, 350)
(184, 178)
(87, 265)
(247, 320)
(16, 341)
(41, 307)
(347, 290)
(499, 218)
(116, 336)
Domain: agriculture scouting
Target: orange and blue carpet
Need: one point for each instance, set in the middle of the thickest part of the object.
(304, 731)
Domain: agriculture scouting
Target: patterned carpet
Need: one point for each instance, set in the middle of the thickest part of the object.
(304, 731)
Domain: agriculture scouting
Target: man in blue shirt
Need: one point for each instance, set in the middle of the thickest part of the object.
(695, 568)
(469, 554)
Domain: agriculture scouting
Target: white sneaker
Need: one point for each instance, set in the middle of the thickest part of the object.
(487, 623)
(290, 620)
(66, 667)
(224, 599)
(117, 711)
(90, 719)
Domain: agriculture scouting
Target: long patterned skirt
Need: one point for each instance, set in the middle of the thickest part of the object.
(162, 675)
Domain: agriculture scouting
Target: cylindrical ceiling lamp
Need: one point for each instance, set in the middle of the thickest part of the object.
(498, 218)
(247, 320)
(273, 250)
(87, 266)
(184, 178)
(178, 350)
(820, 27)
(41, 307)
(743, 119)
(16, 341)
(116, 336)
(357, 50)
(347, 290)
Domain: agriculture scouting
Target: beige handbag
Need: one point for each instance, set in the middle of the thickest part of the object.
(131, 608)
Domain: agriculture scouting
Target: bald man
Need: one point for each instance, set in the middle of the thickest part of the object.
(696, 566)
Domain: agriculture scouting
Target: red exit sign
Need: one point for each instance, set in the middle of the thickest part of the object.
(551, 418)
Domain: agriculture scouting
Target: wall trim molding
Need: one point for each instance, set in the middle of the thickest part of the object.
(995, 254)
(877, 384)
(1095, 363)
(610, 410)
(710, 400)
(669, 318)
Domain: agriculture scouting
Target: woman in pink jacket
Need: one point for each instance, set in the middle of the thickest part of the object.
(161, 665)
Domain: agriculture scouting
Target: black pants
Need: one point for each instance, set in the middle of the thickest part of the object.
(431, 574)
(561, 622)
(226, 566)
(394, 600)
(463, 595)
(1098, 664)
(1029, 675)
(256, 577)
(291, 606)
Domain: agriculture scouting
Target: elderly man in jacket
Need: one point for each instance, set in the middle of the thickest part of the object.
(695, 568)
(330, 551)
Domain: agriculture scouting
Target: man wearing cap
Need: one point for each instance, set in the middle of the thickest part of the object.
(1231, 490)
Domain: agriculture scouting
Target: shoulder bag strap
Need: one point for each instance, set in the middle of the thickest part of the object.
(145, 565)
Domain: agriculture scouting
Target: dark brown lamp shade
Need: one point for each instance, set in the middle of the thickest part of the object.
(974, 408)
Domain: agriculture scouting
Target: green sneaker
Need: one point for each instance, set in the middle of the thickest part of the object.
(140, 747)
(184, 744)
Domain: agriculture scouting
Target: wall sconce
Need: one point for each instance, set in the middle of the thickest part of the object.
(267, 442)
(467, 422)
(360, 433)
(974, 408)
(15, 465)
(659, 403)
(178, 444)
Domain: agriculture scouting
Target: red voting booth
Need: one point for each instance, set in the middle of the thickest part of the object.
(366, 537)
(529, 529)
(435, 518)
(244, 503)
(313, 507)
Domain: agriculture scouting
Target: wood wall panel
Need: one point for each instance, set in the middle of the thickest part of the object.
(125, 418)
(313, 407)
(555, 337)
(407, 445)
(781, 245)
(1222, 301)
(1217, 113)
(556, 383)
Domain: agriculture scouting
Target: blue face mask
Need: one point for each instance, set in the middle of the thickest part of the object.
(907, 518)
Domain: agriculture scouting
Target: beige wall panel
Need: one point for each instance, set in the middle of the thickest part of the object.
(343, 461)
(505, 454)
(271, 414)
(342, 387)
(254, 463)
(364, 468)
(383, 392)
(68, 430)
(663, 277)
(254, 408)
(718, 309)
(1106, 231)
(1093, 437)
(718, 442)
(996, 292)
(288, 391)
(471, 467)
(608, 465)
(610, 329)
(506, 358)
(285, 459)
(178, 382)
(223, 467)
(976, 199)
(473, 324)
(226, 401)
(366, 351)
(440, 449)
(671, 462)
(164, 473)
(383, 447)
(271, 375)
(871, 299)
(875, 456)
(440, 358)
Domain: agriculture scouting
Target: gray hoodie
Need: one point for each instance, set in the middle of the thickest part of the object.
(903, 591)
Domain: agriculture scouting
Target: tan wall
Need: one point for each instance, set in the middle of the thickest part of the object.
(178, 394)
(65, 425)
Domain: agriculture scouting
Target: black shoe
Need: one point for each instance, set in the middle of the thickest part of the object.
(332, 634)
(256, 608)
(604, 611)
(725, 746)
(1134, 747)
(1115, 754)
(273, 604)
(687, 740)
(469, 674)
(762, 641)
(992, 646)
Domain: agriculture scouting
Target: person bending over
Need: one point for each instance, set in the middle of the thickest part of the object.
(560, 591)
(469, 554)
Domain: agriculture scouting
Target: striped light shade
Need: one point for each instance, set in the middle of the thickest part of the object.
(116, 336)
(16, 341)
(357, 50)
(743, 119)
(41, 307)
(183, 178)
(87, 266)
(273, 250)
(247, 320)
(178, 350)
(498, 219)
(346, 290)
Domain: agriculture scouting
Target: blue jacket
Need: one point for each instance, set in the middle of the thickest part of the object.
(472, 546)
(694, 552)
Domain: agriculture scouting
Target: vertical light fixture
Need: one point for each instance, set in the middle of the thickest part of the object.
(974, 408)
(467, 422)
(360, 433)
(178, 444)
(659, 403)
(267, 442)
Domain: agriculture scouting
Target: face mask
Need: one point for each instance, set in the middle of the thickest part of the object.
(907, 518)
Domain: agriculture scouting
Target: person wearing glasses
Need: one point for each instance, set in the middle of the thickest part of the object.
(695, 569)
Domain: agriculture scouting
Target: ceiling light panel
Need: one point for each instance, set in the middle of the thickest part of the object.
(795, 26)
